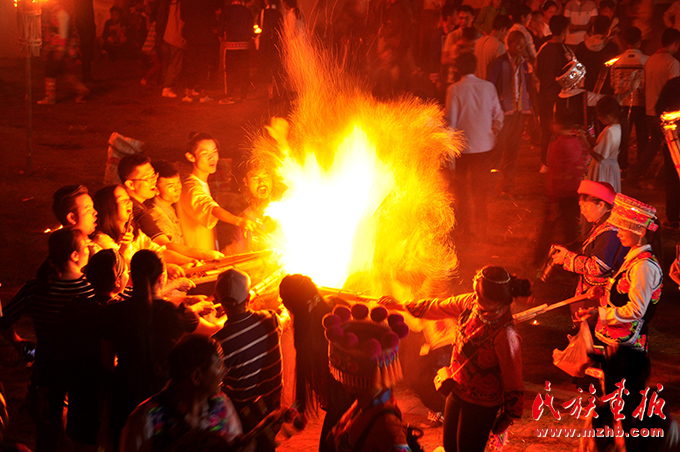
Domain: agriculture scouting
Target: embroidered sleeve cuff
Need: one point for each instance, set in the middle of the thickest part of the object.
(418, 308)
(569, 261)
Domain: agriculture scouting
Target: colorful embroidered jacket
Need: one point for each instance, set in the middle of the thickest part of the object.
(630, 300)
(600, 255)
(486, 361)
(159, 422)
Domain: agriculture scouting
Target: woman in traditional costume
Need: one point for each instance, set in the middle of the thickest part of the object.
(624, 314)
(483, 384)
(601, 253)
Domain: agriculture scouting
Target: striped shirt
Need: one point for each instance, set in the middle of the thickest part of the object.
(44, 305)
(252, 357)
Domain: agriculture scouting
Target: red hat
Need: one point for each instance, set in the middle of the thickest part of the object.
(600, 190)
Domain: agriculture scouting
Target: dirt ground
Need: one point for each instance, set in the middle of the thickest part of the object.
(69, 146)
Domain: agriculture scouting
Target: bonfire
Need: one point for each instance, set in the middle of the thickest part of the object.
(365, 207)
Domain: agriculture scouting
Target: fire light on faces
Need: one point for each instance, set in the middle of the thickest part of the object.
(365, 207)
(338, 206)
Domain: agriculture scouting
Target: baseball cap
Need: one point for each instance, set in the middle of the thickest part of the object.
(233, 287)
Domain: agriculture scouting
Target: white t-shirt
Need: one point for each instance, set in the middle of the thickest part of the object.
(579, 13)
(609, 142)
(487, 48)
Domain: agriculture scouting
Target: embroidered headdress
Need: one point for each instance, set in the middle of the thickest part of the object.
(633, 215)
(574, 73)
(364, 348)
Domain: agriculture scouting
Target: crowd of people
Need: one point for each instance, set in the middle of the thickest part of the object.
(146, 367)
(578, 97)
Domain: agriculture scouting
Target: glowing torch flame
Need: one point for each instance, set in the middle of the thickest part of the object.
(611, 62)
(337, 204)
(669, 119)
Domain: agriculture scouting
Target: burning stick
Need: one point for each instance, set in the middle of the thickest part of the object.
(669, 123)
(542, 309)
(602, 76)
(347, 295)
(439, 333)
(218, 265)
(262, 288)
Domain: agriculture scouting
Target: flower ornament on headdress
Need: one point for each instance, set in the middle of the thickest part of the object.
(632, 215)
(364, 346)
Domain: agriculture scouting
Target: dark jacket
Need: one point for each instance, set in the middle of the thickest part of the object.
(501, 74)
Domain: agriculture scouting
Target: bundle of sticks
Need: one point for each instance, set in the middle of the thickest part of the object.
(208, 271)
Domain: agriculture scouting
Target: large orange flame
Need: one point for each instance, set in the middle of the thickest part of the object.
(327, 215)
(365, 207)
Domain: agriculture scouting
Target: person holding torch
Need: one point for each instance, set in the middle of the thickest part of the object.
(483, 384)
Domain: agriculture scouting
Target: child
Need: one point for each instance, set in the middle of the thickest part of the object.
(605, 167)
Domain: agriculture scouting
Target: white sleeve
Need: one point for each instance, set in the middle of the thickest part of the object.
(62, 19)
(674, 69)
(198, 204)
(449, 43)
(605, 143)
(567, 11)
(452, 108)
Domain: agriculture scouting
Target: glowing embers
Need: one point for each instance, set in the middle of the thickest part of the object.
(328, 215)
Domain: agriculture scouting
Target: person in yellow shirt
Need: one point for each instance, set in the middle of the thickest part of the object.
(197, 210)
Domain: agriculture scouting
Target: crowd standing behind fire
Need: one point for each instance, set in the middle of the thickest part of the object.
(545, 68)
